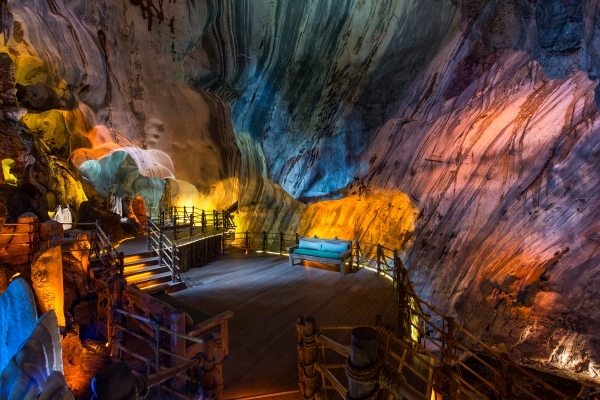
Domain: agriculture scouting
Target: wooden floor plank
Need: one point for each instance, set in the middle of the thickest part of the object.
(266, 295)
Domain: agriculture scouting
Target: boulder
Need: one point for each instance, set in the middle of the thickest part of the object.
(47, 280)
(82, 360)
(18, 316)
(51, 231)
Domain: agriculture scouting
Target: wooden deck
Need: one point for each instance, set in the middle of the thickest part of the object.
(266, 295)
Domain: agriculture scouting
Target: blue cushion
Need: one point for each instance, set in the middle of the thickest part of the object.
(334, 247)
(305, 244)
(317, 253)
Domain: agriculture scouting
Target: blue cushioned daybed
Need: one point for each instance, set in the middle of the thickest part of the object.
(325, 251)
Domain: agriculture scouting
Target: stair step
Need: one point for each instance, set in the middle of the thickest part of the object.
(167, 287)
(142, 261)
(131, 272)
(148, 260)
(130, 258)
(143, 280)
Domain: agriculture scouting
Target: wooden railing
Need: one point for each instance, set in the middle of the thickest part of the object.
(423, 334)
(189, 359)
(182, 219)
(167, 252)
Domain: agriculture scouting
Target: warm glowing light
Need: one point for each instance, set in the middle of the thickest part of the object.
(15, 276)
(9, 178)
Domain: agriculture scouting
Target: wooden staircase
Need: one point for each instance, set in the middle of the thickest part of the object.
(143, 270)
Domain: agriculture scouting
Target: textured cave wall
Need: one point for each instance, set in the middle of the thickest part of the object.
(477, 118)
(98, 77)
(482, 112)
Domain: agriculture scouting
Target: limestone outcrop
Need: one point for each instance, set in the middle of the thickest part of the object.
(47, 280)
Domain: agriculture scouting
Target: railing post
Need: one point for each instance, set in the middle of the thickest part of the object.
(379, 256)
(363, 354)
(175, 266)
(247, 240)
(191, 225)
(448, 349)
(264, 241)
(160, 248)
(281, 243)
(300, 347)
(357, 249)
(401, 296)
(506, 377)
(215, 219)
(309, 358)
(208, 365)
(297, 238)
(149, 233)
(161, 218)
(203, 221)
(184, 214)
(174, 220)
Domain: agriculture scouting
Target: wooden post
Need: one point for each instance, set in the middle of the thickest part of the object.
(208, 365)
(192, 224)
(281, 243)
(300, 347)
(401, 297)
(379, 257)
(161, 219)
(218, 374)
(184, 214)
(357, 249)
(447, 355)
(506, 377)
(309, 357)
(157, 355)
(247, 240)
(297, 238)
(215, 219)
(177, 344)
(264, 241)
(363, 354)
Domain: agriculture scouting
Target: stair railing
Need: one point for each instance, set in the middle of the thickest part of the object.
(165, 249)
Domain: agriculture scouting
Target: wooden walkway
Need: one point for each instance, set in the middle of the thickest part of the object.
(266, 295)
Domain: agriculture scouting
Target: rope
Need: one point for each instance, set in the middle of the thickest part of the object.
(366, 376)
(140, 384)
(380, 374)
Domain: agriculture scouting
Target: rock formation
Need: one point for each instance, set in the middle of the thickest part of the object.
(18, 317)
(47, 279)
(466, 129)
